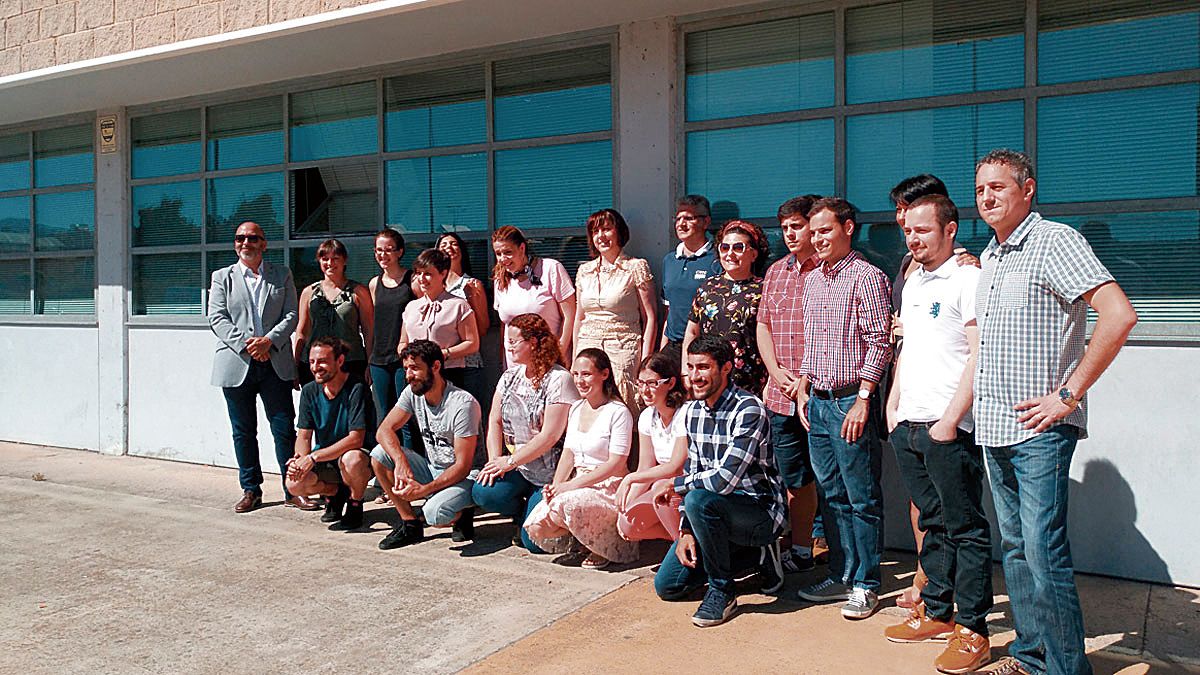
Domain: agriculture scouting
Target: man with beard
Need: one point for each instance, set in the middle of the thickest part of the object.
(449, 420)
(686, 268)
(334, 425)
(931, 431)
(733, 507)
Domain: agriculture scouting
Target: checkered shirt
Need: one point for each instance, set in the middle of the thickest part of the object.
(847, 320)
(782, 312)
(1032, 323)
(729, 450)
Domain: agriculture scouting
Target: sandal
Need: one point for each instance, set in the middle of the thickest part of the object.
(383, 499)
(595, 562)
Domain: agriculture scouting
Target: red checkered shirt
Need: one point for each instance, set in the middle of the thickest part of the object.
(847, 312)
(782, 312)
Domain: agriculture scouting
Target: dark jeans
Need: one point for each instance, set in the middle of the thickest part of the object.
(387, 382)
(848, 476)
(511, 495)
(730, 531)
(945, 481)
(1030, 482)
(276, 395)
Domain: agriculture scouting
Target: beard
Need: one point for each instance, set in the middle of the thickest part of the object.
(421, 387)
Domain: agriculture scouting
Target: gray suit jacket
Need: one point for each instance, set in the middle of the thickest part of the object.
(229, 316)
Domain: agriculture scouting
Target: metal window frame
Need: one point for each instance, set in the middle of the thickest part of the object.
(485, 58)
(1029, 95)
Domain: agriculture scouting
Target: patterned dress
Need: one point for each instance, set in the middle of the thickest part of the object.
(730, 309)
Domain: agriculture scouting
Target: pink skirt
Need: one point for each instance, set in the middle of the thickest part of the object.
(588, 515)
(643, 519)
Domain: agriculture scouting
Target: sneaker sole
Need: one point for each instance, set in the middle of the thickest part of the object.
(708, 623)
(774, 590)
(822, 598)
(911, 641)
(857, 616)
(969, 669)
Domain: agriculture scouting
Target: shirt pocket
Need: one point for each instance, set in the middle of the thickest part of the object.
(1014, 290)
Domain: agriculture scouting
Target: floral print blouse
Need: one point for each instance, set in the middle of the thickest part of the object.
(730, 309)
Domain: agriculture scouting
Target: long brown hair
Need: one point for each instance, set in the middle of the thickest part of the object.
(600, 361)
(545, 346)
(511, 235)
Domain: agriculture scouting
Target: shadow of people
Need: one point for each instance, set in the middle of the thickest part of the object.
(723, 211)
(1103, 505)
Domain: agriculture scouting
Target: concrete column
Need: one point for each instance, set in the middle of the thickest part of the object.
(112, 268)
(646, 80)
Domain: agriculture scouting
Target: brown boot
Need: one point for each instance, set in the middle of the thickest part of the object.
(919, 628)
(967, 652)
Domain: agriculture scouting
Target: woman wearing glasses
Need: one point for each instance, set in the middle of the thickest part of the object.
(391, 291)
(615, 300)
(728, 305)
(528, 284)
(526, 424)
(335, 306)
(660, 458)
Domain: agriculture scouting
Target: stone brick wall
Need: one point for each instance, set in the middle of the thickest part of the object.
(42, 33)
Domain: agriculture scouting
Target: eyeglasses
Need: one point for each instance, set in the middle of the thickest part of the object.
(646, 384)
(252, 238)
(736, 247)
(688, 217)
(386, 250)
(512, 344)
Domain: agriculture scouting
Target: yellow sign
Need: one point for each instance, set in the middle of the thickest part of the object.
(108, 134)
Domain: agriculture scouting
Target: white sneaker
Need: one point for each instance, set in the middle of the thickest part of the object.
(861, 604)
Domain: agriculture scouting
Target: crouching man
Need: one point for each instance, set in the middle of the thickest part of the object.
(449, 420)
(733, 505)
(335, 423)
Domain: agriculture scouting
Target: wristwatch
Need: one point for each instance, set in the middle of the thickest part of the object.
(512, 461)
(864, 394)
(1067, 397)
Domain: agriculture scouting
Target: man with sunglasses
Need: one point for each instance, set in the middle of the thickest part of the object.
(252, 311)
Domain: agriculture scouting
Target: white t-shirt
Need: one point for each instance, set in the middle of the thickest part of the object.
(935, 308)
(663, 437)
(611, 433)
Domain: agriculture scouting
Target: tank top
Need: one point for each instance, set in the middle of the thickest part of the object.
(338, 318)
(389, 317)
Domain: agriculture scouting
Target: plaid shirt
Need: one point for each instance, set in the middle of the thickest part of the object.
(729, 450)
(848, 317)
(782, 312)
(1032, 323)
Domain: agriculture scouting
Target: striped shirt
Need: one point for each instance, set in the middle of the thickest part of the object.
(729, 450)
(782, 312)
(847, 318)
(1032, 323)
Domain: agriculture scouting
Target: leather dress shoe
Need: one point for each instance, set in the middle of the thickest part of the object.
(301, 502)
(249, 501)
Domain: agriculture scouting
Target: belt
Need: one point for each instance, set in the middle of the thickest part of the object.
(918, 425)
(829, 394)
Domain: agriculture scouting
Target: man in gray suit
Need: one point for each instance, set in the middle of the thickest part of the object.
(252, 311)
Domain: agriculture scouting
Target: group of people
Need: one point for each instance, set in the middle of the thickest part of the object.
(751, 424)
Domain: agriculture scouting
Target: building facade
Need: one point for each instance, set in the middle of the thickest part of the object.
(134, 136)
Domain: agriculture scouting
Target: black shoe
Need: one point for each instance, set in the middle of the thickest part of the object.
(334, 505)
(715, 609)
(794, 563)
(770, 569)
(519, 522)
(352, 519)
(464, 528)
(407, 532)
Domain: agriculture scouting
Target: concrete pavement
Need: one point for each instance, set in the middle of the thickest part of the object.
(129, 565)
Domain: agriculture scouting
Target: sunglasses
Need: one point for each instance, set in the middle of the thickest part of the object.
(252, 238)
(736, 247)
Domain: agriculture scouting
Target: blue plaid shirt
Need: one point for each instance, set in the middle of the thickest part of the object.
(729, 450)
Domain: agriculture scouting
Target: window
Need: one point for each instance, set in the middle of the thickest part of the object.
(48, 222)
(412, 151)
(1110, 114)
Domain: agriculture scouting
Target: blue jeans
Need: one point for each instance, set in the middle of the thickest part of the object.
(848, 475)
(511, 495)
(276, 395)
(730, 530)
(386, 384)
(1030, 481)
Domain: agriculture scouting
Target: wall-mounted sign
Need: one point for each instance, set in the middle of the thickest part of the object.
(108, 134)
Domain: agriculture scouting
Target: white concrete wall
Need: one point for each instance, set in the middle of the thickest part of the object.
(174, 413)
(49, 397)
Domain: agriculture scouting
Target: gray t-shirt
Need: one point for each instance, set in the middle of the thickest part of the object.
(456, 416)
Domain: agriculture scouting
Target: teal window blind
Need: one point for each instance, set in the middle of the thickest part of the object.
(435, 109)
(233, 200)
(166, 214)
(64, 221)
(246, 133)
(15, 287)
(446, 193)
(14, 162)
(14, 224)
(167, 283)
(553, 186)
(66, 285)
(334, 122)
(166, 144)
(63, 156)
(553, 94)
(768, 67)
(335, 199)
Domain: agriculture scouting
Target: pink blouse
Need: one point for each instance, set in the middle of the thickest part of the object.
(438, 321)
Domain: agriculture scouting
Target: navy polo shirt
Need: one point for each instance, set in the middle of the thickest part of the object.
(682, 276)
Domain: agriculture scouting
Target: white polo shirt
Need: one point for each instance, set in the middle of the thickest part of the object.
(935, 308)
